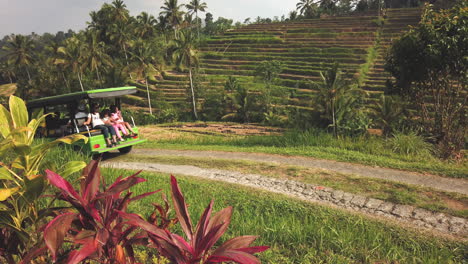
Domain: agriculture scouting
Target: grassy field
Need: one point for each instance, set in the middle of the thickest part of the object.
(367, 150)
(438, 201)
(300, 232)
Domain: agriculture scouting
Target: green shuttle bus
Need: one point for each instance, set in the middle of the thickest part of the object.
(63, 122)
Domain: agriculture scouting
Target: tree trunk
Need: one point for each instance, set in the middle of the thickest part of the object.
(198, 25)
(334, 119)
(193, 95)
(126, 60)
(66, 81)
(149, 98)
(29, 75)
(81, 83)
(99, 77)
(126, 56)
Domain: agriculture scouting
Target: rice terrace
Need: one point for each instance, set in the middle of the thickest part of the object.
(262, 131)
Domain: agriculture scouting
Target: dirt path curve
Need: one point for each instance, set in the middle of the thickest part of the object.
(426, 180)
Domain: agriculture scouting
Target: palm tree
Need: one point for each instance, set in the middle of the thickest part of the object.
(20, 52)
(171, 10)
(119, 11)
(194, 7)
(335, 96)
(71, 57)
(146, 25)
(304, 5)
(95, 55)
(53, 55)
(8, 70)
(144, 61)
(119, 35)
(185, 54)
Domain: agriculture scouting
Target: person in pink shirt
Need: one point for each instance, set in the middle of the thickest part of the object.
(116, 116)
(109, 120)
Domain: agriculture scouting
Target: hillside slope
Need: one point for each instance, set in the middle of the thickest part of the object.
(305, 47)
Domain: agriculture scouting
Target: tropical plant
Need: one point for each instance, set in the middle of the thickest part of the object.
(8, 71)
(146, 25)
(268, 71)
(439, 89)
(100, 228)
(307, 8)
(144, 61)
(185, 54)
(338, 100)
(20, 52)
(388, 113)
(94, 228)
(21, 179)
(95, 56)
(239, 100)
(71, 58)
(200, 240)
(173, 13)
(194, 7)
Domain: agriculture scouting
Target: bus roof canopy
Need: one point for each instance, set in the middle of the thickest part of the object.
(73, 97)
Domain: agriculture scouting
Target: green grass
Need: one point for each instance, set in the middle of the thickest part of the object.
(300, 232)
(370, 150)
(385, 190)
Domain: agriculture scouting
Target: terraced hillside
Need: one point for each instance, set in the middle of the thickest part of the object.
(305, 48)
(396, 23)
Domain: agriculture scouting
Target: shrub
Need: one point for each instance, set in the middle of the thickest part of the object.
(22, 180)
(99, 228)
(410, 144)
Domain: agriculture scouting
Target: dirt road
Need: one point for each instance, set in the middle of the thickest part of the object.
(426, 180)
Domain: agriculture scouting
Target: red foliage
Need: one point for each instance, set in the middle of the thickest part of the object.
(100, 228)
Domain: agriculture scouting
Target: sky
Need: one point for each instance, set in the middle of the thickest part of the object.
(40, 16)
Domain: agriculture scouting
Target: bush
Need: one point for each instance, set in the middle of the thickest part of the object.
(410, 144)
(98, 227)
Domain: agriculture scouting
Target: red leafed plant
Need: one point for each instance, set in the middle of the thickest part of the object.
(198, 248)
(100, 229)
(95, 227)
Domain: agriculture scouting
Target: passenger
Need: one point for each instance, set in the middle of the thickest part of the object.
(106, 117)
(117, 117)
(81, 116)
(95, 120)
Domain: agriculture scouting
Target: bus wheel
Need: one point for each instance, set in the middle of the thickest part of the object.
(97, 156)
(125, 150)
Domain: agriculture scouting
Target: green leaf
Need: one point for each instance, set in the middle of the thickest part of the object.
(21, 149)
(71, 167)
(3, 207)
(5, 122)
(18, 110)
(5, 174)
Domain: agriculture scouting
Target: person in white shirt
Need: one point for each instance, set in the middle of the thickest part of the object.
(94, 119)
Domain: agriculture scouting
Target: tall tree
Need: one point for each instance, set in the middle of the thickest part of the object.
(119, 12)
(144, 61)
(304, 5)
(71, 58)
(8, 70)
(439, 90)
(184, 53)
(172, 11)
(336, 98)
(146, 25)
(194, 7)
(95, 56)
(52, 56)
(20, 52)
